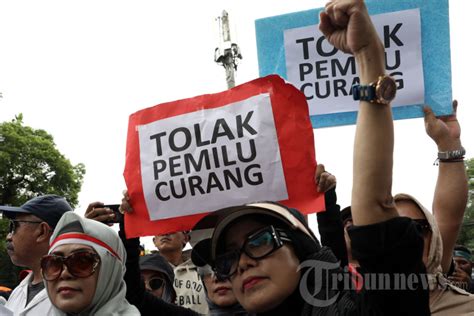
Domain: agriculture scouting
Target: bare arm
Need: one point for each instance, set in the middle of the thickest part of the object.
(451, 190)
(347, 25)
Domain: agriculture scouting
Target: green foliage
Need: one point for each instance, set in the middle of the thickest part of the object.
(31, 165)
(466, 236)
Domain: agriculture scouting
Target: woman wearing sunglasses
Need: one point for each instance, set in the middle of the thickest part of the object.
(276, 265)
(158, 276)
(259, 248)
(84, 269)
(138, 293)
(219, 294)
(445, 298)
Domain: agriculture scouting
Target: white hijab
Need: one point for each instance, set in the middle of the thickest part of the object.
(109, 297)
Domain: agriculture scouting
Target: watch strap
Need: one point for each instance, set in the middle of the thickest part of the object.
(363, 92)
(452, 154)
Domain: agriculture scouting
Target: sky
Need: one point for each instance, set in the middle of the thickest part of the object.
(78, 69)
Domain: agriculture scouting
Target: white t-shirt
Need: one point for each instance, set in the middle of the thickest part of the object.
(190, 291)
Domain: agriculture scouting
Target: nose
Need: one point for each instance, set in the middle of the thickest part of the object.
(9, 236)
(65, 274)
(214, 278)
(147, 287)
(245, 262)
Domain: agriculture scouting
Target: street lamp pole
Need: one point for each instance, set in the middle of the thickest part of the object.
(227, 54)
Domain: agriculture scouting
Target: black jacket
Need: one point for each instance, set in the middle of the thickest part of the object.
(147, 303)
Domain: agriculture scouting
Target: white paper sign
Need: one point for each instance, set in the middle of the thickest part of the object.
(192, 161)
(326, 75)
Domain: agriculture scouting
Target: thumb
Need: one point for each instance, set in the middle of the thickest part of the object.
(319, 171)
(455, 106)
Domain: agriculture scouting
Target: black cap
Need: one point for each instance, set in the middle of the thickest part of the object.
(156, 262)
(201, 253)
(49, 208)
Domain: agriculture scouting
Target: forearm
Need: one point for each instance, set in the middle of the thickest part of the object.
(373, 148)
(331, 228)
(450, 201)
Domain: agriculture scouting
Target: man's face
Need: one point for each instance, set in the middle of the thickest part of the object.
(170, 242)
(21, 241)
(463, 264)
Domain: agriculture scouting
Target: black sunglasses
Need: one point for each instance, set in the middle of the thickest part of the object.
(79, 264)
(156, 283)
(258, 245)
(13, 224)
(423, 225)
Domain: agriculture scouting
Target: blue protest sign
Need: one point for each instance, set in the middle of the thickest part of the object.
(416, 38)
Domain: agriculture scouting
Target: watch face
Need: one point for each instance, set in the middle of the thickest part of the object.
(386, 89)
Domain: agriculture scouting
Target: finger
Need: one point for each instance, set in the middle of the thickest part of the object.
(323, 182)
(319, 171)
(93, 205)
(331, 11)
(97, 212)
(328, 183)
(340, 17)
(455, 107)
(105, 218)
(125, 194)
(332, 181)
(328, 4)
(125, 206)
(325, 25)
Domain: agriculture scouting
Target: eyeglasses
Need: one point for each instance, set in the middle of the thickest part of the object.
(256, 246)
(79, 264)
(13, 224)
(156, 283)
(423, 225)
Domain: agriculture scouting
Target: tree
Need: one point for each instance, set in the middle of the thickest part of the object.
(31, 165)
(466, 235)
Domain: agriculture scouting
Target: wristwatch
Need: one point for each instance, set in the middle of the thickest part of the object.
(382, 91)
(453, 154)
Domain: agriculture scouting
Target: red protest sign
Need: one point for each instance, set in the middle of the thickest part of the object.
(188, 157)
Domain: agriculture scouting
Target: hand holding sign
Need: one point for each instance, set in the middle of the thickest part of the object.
(347, 27)
(414, 34)
(125, 206)
(444, 130)
(324, 180)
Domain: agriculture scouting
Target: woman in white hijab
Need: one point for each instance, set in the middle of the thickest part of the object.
(84, 269)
